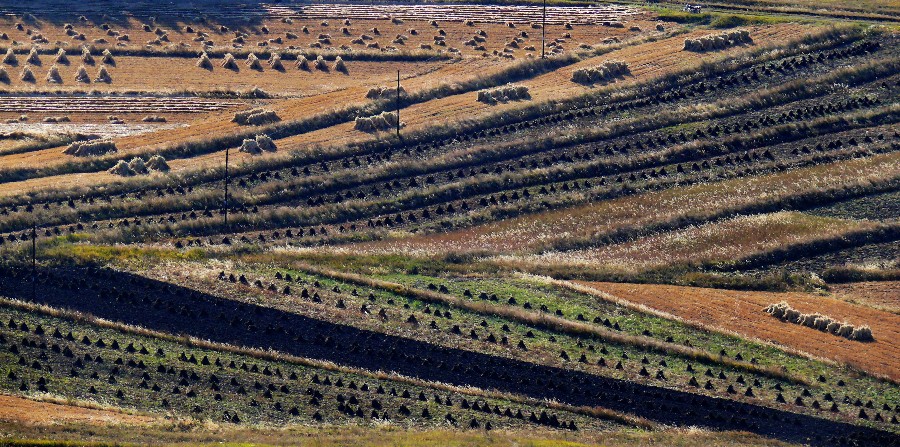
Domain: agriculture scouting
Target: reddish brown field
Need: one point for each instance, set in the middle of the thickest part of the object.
(23, 411)
(742, 312)
(879, 294)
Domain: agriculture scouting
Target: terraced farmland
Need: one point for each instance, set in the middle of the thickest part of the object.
(343, 223)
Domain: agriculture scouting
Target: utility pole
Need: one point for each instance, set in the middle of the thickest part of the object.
(226, 187)
(397, 101)
(544, 31)
(34, 261)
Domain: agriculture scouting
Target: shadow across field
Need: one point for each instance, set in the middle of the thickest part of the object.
(166, 307)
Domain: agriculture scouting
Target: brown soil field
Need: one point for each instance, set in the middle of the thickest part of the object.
(878, 294)
(24, 411)
(742, 312)
(528, 233)
(720, 241)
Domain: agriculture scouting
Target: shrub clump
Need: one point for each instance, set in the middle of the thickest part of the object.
(605, 72)
(382, 121)
(784, 312)
(255, 117)
(509, 92)
(718, 41)
(385, 93)
(90, 148)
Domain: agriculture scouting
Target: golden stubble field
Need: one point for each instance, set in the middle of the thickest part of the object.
(646, 61)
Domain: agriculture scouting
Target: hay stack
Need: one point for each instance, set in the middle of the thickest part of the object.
(339, 65)
(121, 168)
(253, 62)
(204, 62)
(138, 166)
(158, 163)
(108, 57)
(382, 121)
(53, 76)
(86, 56)
(250, 146)
(820, 322)
(4, 76)
(61, 57)
(27, 75)
(33, 57)
(229, 62)
(509, 92)
(382, 92)
(82, 75)
(265, 143)
(605, 72)
(10, 57)
(302, 63)
(275, 62)
(320, 63)
(103, 75)
(90, 148)
(255, 117)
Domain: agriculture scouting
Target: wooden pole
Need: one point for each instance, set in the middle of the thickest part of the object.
(226, 186)
(544, 31)
(34, 261)
(397, 101)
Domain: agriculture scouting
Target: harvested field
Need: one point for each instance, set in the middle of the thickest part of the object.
(741, 312)
(19, 410)
(534, 232)
(884, 295)
(277, 222)
(717, 242)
